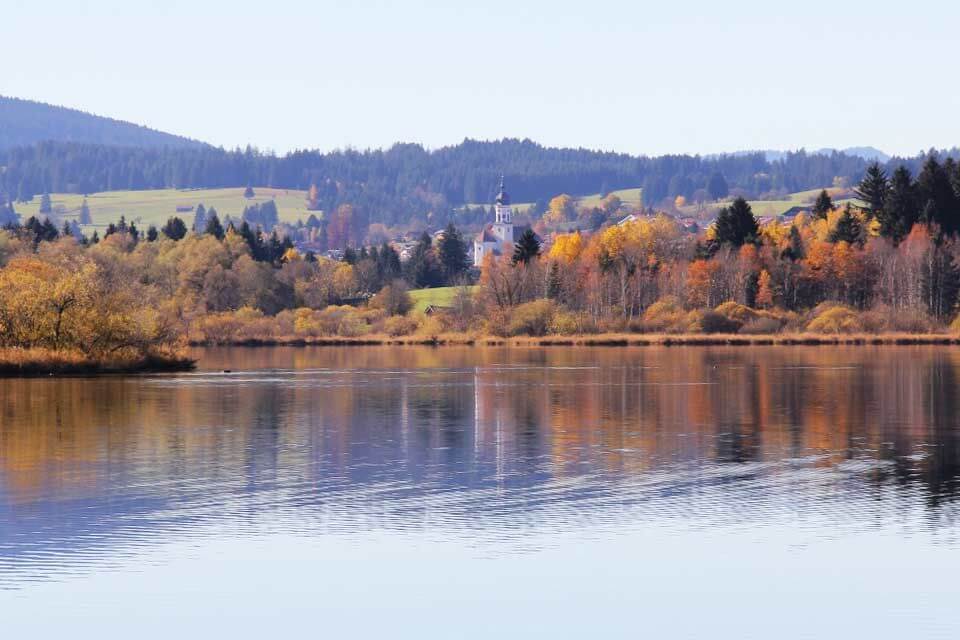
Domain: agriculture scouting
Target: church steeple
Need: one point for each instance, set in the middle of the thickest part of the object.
(504, 213)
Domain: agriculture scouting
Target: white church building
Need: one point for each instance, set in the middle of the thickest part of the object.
(497, 238)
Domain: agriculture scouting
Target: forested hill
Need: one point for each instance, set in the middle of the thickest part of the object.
(25, 122)
(406, 179)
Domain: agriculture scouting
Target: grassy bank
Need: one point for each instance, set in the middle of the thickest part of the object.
(42, 362)
(613, 340)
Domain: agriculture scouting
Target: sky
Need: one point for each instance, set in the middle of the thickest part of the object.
(677, 76)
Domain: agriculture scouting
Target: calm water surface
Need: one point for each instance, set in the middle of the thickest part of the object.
(804, 492)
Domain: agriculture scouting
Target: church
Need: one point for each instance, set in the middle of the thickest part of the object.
(497, 238)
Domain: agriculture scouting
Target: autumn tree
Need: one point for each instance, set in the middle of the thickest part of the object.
(560, 210)
(765, 290)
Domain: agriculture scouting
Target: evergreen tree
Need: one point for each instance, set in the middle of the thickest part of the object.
(937, 198)
(85, 218)
(46, 206)
(214, 228)
(175, 229)
(95, 238)
(423, 269)
(940, 282)
(736, 225)
(872, 190)
(66, 231)
(388, 263)
(200, 219)
(848, 229)
(527, 248)
(554, 282)
(8, 216)
(716, 187)
(899, 212)
(823, 206)
(152, 234)
(452, 252)
(794, 250)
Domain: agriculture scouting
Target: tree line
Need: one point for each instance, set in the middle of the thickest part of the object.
(407, 180)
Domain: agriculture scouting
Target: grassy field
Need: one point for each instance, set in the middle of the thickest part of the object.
(156, 206)
(630, 197)
(800, 198)
(440, 296)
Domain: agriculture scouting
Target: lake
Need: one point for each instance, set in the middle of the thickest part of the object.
(761, 492)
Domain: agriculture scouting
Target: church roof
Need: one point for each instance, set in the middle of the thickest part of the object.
(486, 234)
(503, 197)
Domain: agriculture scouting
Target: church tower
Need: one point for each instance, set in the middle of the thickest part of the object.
(503, 221)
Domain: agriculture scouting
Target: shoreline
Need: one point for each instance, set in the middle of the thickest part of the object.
(33, 363)
(601, 340)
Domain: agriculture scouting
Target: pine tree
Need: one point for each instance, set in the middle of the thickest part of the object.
(872, 190)
(85, 218)
(214, 228)
(794, 250)
(200, 219)
(527, 248)
(452, 252)
(152, 234)
(937, 198)
(899, 211)
(175, 229)
(736, 224)
(823, 206)
(848, 229)
(46, 206)
(716, 187)
(554, 282)
(423, 269)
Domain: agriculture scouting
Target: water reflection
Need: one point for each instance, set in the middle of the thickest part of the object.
(483, 444)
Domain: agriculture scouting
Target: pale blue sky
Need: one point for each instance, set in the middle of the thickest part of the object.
(672, 76)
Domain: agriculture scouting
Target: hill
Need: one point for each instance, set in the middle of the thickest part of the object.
(25, 122)
(155, 206)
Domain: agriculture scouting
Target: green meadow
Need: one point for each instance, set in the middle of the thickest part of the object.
(439, 296)
(154, 207)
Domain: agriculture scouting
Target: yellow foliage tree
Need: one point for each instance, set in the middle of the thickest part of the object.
(561, 210)
(567, 247)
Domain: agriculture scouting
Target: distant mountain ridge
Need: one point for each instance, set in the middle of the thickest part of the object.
(26, 122)
(869, 154)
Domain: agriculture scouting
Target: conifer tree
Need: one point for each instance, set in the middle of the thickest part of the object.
(872, 190)
(46, 206)
(85, 217)
(527, 248)
(175, 229)
(152, 234)
(899, 212)
(823, 206)
(452, 252)
(200, 219)
(848, 229)
(214, 228)
(736, 224)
